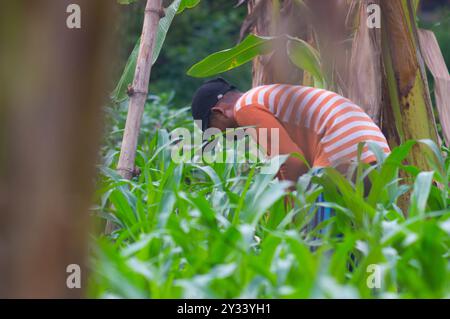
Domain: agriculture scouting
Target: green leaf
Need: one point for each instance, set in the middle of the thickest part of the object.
(126, 1)
(187, 4)
(420, 194)
(438, 162)
(389, 171)
(306, 58)
(415, 6)
(120, 92)
(229, 59)
(163, 27)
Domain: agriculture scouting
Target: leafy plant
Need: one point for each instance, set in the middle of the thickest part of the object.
(302, 55)
(222, 230)
(226, 60)
(305, 57)
(177, 6)
(187, 4)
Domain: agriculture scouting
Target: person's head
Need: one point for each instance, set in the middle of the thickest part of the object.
(213, 104)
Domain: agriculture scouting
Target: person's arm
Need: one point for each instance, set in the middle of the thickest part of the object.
(258, 116)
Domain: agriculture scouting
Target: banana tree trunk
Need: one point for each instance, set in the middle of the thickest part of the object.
(273, 18)
(304, 20)
(407, 109)
(332, 26)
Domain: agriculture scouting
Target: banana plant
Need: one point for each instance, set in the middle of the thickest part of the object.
(408, 110)
(300, 53)
(229, 59)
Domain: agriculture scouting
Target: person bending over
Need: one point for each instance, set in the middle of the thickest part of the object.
(322, 126)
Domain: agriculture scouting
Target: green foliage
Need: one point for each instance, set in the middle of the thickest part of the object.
(222, 230)
(225, 60)
(159, 112)
(126, 1)
(120, 92)
(305, 57)
(211, 24)
(302, 55)
(218, 230)
(187, 4)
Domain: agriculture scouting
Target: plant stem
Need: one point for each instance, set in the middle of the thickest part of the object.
(138, 91)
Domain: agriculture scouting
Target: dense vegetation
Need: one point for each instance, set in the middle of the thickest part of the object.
(222, 230)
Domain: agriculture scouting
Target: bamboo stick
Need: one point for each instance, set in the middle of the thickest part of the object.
(138, 91)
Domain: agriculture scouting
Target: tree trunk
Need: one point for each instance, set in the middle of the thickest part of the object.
(407, 109)
(138, 92)
(268, 18)
(53, 88)
(332, 24)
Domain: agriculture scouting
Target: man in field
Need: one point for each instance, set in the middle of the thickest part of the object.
(322, 126)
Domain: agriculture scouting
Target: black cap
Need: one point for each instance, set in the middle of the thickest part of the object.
(206, 97)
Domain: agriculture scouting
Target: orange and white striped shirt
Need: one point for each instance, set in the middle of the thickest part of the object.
(323, 126)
